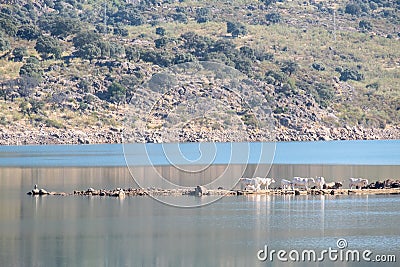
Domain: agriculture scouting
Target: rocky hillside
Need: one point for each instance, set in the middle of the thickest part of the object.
(84, 71)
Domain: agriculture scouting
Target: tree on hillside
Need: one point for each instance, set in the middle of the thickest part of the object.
(116, 50)
(161, 42)
(31, 70)
(289, 67)
(365, 25)
(223, 45)
(196, 44)
(180, 17)
(122, 31)
(236, 28)
(28, 32)
(273, 17)
(353, 9)
(4, 42)
(350, 74)
(116, 93)
(203, 15)
(160, 31)
(63, 27)
(275, 77)
(325, 94)
(47, 45)
(19, 53)
(8, 25)
(128, 15)
(131, 53)
(248, 52)
(89, 51)
(268, 2)
(26, 85)
(89, 45)
(86, 37)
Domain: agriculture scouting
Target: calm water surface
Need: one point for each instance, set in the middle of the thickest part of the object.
(139, 231)
(81, 231)
(371, 152)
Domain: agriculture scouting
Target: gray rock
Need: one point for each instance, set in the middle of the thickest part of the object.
(284, 121)
(43, 192)
(200, 190)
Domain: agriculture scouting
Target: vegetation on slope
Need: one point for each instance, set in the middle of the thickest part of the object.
(74, 64)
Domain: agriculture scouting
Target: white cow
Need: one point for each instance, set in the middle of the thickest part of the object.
(298, 181)
(266, 182)
(320, 181)
(358, 182)
(286, 184)
(249, 183)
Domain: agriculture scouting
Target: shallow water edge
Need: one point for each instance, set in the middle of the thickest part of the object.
(67, 178)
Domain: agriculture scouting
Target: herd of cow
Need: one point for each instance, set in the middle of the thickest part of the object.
(258, 183)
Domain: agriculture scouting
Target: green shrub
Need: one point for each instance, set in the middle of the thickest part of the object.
(365, 25)
(273, 17)
(160, 31)
(349, 74)
(318, 66)
(53, 123)
(203, 15)
(236, 28)
(28, 32)
(19, 53)
(4, 42)
(353, 9)
(116, 93)
(47, 45)
(289, 67)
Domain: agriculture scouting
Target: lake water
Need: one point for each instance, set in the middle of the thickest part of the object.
(139, 231)
(371, 152)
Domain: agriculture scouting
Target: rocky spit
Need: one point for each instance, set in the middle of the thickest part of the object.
(376, 188)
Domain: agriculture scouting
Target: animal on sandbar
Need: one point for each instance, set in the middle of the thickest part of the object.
(320, 182)
(121, 193)
(266, 182)
(357, 182)
(286, 184)
(35, 190)
(249, 184)
(302, 182)
(333, 185)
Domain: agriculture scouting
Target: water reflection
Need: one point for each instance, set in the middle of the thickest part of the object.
(138, 231)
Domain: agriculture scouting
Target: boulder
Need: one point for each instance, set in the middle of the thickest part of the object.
(284, 121)
(395, 185)
(90, 190)
(43, 192)
(200, 190)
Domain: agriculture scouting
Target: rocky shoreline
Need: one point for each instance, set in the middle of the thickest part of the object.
(201, 191)
(117, 135)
